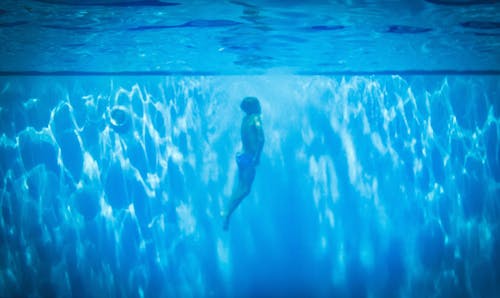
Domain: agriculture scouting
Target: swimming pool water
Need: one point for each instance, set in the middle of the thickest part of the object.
(368, 186)
(258, 37)
(380, 175)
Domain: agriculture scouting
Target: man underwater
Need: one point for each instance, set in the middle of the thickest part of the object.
(252, 139)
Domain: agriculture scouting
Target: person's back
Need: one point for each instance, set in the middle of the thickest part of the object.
(252, 138)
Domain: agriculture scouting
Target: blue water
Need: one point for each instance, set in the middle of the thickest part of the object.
(368, 186)
(120, 123)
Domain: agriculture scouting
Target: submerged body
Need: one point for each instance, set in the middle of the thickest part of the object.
(252, 138)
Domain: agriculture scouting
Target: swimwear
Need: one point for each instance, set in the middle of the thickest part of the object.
(244, 160)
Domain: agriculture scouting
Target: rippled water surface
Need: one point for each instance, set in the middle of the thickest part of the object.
(120, 121)
(238, 37)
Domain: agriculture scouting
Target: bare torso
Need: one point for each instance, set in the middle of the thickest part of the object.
(252, 135)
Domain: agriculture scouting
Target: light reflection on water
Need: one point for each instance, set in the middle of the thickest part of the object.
(369, 185)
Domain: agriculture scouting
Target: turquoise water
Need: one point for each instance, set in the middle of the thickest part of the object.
(120, 121)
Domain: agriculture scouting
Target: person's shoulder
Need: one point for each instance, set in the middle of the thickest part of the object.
(256, 120)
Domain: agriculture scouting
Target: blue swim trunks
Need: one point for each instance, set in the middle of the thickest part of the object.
(244, 160)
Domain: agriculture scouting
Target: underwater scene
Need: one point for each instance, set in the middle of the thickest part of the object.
(354, 146)
(379, 186)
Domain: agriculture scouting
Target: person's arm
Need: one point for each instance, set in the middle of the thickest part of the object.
(260, 139)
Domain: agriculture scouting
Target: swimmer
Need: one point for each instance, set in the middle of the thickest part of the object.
(252, 139)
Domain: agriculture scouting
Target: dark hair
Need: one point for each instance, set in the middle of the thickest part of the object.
(250, 105)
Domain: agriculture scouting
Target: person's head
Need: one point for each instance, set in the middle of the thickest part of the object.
(250, 105)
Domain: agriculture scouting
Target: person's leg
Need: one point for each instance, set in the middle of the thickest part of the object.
(242, 190)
